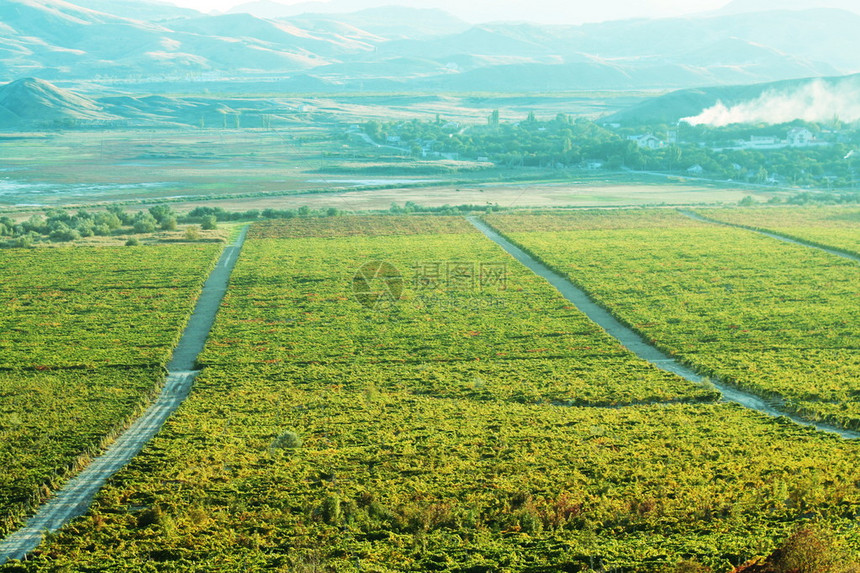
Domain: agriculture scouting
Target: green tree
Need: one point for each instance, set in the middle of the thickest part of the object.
(161, 212)
(144, 222)
(168, 224)
(373, 129)
(209, 222)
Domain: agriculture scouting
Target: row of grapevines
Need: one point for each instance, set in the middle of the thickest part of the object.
(782, 320)
(335, 462)
(363, 225)
(829, 226)
(75, 307)
(51, 422)
(258, 472)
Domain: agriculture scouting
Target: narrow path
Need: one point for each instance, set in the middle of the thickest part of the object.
(773, 235)
(633, 342)
(75, 497)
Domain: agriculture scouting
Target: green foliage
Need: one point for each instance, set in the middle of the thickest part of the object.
(192, 234)
(60, 312)
(289, 440)
(84, 337)
(777, 319)
(144, 223)
(835, 227)
(813, 548)
(455, 429)
(161, 212)
(436, 434)
(168, 224)
(52, 419)
(520, 337)
(209, 223)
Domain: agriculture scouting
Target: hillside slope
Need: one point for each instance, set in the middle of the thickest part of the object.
(34, 100)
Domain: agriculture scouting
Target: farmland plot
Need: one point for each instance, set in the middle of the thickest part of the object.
(778, 319)
(458, 426)
(84, 337)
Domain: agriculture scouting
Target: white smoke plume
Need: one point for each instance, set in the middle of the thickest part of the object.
(816, 101)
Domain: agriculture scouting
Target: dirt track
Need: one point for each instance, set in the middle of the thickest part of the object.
(773, 235)
(74, 499)
(633, 342)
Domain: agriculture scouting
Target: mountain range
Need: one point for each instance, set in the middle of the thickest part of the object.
(30, 102)
(126, 43)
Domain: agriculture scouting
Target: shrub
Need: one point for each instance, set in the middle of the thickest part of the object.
(330, 510)
(151, 516)
(145, 224)
(289, 440)
(810, 549)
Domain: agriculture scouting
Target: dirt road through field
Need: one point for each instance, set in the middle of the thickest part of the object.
(632, 341)
(74, 499)
(772, 235)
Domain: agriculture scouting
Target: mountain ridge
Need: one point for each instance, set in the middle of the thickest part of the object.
(414, 49)
(30, 100)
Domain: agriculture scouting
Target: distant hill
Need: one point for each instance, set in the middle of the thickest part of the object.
(746, 6)
(31, 100)
(137, 9)
(394, 22)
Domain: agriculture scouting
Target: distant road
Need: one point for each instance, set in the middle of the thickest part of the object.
(773, 235)
(74, 499)
(370, 141)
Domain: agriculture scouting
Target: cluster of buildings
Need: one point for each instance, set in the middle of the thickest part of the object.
(796, 137)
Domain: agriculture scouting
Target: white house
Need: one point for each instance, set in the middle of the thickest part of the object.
(800, 137)
(761, 141)
(646, 141)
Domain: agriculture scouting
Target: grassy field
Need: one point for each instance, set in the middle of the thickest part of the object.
(464, 425)
(312, 162)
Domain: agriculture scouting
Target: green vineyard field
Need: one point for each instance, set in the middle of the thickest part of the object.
(837, 227)
(469, 425)
(86, 333)
(84, 307)
(778, 319)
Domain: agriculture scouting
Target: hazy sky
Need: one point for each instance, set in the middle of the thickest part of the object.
(546, 11)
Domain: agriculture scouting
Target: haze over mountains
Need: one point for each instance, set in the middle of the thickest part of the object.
(538, 11)
(407, 49)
